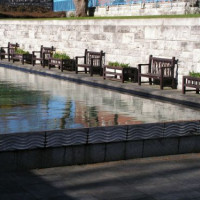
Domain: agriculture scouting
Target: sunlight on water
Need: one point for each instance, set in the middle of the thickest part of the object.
(31, 102)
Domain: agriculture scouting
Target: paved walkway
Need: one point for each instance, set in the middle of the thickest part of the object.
(161, 178)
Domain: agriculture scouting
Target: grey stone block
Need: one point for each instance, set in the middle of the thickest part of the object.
(123, 29)
(78, 154)
(190, 144)
(145, 131)
(159, 147)
(181, 128)
(107, 134)
(22, 141)
(30, 159)
(67, 137)
(53, 157)
(134, 149)
(8, 161)
(95, 153)
(115, 151)
(109, 28)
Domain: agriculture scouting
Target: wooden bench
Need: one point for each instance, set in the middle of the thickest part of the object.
(161, 69)
(92, 63)
(43, 55)
(8, 51)
(120, 74)
(191, 82)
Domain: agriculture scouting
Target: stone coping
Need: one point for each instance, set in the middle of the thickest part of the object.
(97, 135)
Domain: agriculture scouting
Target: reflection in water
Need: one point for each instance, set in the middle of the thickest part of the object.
(30, 102)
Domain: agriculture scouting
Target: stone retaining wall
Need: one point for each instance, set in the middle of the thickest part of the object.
(21, 151)
(157, 8)
(128, 41)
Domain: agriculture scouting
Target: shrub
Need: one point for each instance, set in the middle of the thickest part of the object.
(117, 64)
(61, 55)
(194, 74)
(21, 51)
(7, 11)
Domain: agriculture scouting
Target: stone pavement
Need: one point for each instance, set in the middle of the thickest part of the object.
(157, 178)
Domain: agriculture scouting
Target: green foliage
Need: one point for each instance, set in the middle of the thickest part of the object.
(28, 11)
(117, 64)
(21, 51)
(194, 74)
(61, 55)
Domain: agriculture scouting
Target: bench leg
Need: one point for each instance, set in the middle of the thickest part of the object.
(173, 84)
(197, 91)
(150, 81)
(183, 85)
(139, 80)
(161, 83)
(91, 71)
(183, 89)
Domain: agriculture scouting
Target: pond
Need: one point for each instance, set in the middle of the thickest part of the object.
(30, 102)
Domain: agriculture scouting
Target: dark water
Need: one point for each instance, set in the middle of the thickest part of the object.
(31, 102)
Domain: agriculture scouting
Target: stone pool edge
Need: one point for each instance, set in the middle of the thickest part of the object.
(24, 151)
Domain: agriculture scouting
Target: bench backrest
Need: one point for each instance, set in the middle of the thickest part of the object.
(12, 47)
(98, 58)
(155, 65)
(46, 52)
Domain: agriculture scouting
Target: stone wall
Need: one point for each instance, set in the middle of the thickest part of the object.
(128, 41)
(157, 8)
(175, 7)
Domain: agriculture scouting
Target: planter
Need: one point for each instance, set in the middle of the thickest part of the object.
(120, 74)
(24, 58)
(191, 82)
(62, 64)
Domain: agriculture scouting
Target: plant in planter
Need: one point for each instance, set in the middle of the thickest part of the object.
(117, 64)
(62, 61)
(22, 55)
(119, 71)
(191, 81)
(194, 74)
(59, 55)
(21, 51)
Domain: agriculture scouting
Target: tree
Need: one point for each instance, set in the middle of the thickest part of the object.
(81, 7)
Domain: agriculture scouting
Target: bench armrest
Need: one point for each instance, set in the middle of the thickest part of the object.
(143, 64)
(77, 58)
(80, 57)
(140, 66)
(36, 51)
